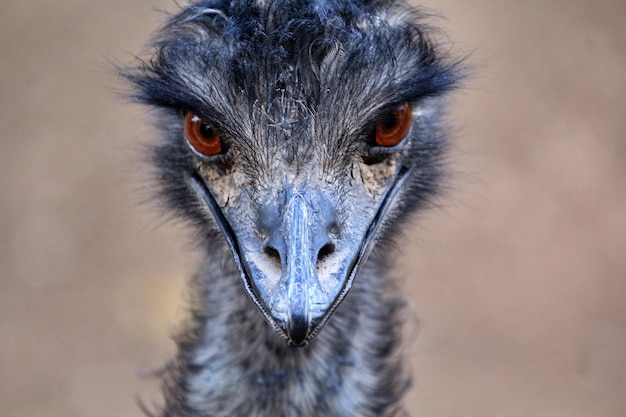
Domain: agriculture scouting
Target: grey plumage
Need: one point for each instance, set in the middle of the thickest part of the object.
(298, 199)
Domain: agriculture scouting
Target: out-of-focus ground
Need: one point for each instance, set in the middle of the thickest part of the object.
(518, 280)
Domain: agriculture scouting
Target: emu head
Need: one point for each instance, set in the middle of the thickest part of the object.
(300, 132)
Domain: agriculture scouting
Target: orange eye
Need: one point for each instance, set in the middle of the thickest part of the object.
(202, 137)
(395, 126)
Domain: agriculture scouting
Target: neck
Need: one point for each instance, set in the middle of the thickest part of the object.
(230, 362)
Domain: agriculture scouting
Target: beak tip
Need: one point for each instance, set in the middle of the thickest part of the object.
(298, 329)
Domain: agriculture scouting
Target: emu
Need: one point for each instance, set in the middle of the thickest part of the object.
(298, 136)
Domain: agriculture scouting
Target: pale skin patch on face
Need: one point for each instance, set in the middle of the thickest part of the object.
(271, 269)
(376, 176)
(223, 186)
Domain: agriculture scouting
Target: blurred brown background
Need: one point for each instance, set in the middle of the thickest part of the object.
(518, 281)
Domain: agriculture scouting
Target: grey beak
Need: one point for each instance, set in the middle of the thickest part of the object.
(300, 234)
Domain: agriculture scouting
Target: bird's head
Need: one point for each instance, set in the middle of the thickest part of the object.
(299, 132)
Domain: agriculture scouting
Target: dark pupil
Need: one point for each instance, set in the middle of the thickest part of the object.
(206, 130)
(390, 121)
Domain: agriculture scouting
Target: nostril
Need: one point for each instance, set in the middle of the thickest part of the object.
(272, 253)
(325, 252)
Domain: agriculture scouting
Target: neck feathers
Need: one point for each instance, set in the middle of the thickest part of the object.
(231, 363)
